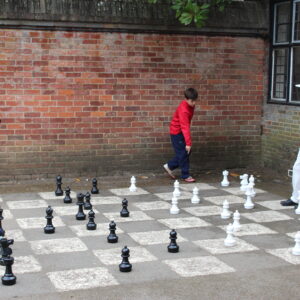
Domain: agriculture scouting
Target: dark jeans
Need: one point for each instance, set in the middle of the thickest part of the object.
(181, 158)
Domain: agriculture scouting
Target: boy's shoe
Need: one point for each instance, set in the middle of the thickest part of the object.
(189, 179)
(166, 167)
(288, 202)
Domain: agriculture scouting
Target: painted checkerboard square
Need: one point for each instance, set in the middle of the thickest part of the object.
(251, 229)
(285, 254)
(26, 264)
(153, 205)
(190, 222)
(198, 266)
(106, 200)
(7, 215)
(200, 186)
(29, 223)
(15, 234)
(26, 204)
(126, 192)
(52, 196)
(218, 200)
(169, 196)
(133, 216)
(102, 229)
(70, 210)
(78, 279)
(202, 211)
(266, 216)
(237, 190)
(273, 204)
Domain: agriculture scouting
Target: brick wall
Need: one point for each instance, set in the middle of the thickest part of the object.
(79, 103)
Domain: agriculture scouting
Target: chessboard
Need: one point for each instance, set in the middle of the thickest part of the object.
(74, 258)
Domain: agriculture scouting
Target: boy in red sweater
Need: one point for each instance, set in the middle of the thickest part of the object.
(181, 135)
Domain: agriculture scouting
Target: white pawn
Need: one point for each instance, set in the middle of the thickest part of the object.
(174, 210)
(225, 212)
(132, 187)
(195, 199)
(249, 204)
(251, 180)
(296, 249)
(225, 181)
(236, 221)
(230, 240)
(244, 182)
(297, 211)
(176, 189)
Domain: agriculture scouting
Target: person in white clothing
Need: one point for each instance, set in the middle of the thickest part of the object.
(293, 200)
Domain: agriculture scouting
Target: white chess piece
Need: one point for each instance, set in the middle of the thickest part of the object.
(132, 187)
(249, 204)
(225, 181)
(244, 182)
(195, 199)
(297, 210)
(251, 180)
(230, 240)
(236, 221)
(176, 189)
(225, 214)
(296, 249)
(174, 210)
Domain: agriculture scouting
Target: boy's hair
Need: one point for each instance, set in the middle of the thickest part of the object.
(191, 93)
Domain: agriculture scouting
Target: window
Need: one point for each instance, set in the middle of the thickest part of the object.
(285, 53)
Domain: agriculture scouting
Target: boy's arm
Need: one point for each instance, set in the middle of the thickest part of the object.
(185, 127)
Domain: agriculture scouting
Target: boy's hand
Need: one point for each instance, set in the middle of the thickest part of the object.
(188, 149)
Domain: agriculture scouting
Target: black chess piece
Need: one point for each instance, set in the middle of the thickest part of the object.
(59, 191)
(68, 198)
(124, 212)
(112, 237)
(80, 215)
(87, 203)
(125, 265)
(8, 278)
(94, 189)
(49, 228)
(91, 225)
(5, 250)
(2, 231)
(173, 247)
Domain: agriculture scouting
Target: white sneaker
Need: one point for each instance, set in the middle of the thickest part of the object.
(166, 167)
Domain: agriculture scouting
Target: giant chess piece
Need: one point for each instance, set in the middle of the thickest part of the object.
(132, 187)
(173, 247)
(58, 191)
(94, 189)
(249, 204)
(297, 210)
(225, 181)
(225, 214)
(5, 250)
(49, 228)
(68, 198)
(125, 265)
(91, 225)
(112, 237)
(296, 249)
(174, 210)
(244, 182)
(236, 221)
(80, 215)
(124, 212)
(8, 278)
(176, 189)
(195, 199)
(87, 203)
(2, 231)
(230, 240)
(251, 181)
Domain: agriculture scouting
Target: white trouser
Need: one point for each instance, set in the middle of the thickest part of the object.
(296, 179)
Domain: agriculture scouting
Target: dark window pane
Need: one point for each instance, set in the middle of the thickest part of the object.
(295, 96)
(297, 22)
(282, 22)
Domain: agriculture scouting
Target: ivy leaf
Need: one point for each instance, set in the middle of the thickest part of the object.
(186, 18)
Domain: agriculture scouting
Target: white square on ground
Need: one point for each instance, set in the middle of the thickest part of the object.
(153, 205)
(113, 256)
(285, 254)
(200, 186)
(273, 204)
(251, 229)
(26, 204)
(7, 214)
(70, 210)
(52, 196)
(81, 279)
(126, 192)
(218, 200)
(29, 223)
(190, 222)
(26, 264)
(292, 234)
(216, 246)
(266, 216)
(16, 235)
(106, 200)
(169, 196)
(102, 229)
(198, 266)
(154, 237)
(58, 246)
(201, 211)
(133, 216)
(237, 190)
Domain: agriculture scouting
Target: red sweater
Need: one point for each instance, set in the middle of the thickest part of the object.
(181, 121)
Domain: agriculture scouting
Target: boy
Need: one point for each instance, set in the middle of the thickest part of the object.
(181, 135)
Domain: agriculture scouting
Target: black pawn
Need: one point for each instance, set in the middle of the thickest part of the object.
(8, 278)
(80, 215)
(49, 228)
(68, 198)
(87, 203)
(2, 231)
(112, 237)
(59, 191)
(125, 265)
(124, 212)
(173, 247)
(4, 248)
(94, 189)
(91, 225)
